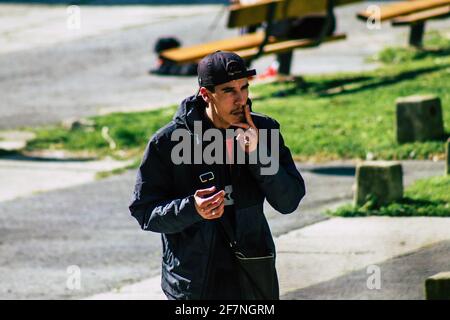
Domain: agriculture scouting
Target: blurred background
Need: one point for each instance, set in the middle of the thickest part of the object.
(78, 102)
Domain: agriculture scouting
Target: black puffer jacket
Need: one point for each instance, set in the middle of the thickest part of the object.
(163, 202)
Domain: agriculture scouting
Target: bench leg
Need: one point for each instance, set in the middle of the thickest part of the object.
(284, 59)
(416, 34)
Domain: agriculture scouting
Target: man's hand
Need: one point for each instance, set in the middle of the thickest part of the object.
(211, 207)
(247, 133)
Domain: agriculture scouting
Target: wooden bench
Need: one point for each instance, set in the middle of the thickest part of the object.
(416, 22)
(411, 13)
(252, 46)
(286, 46)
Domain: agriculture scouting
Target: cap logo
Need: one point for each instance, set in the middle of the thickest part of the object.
(233, 68)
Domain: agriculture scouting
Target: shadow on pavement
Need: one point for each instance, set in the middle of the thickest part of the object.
(335, 171)
(402, 277)
(21, 157)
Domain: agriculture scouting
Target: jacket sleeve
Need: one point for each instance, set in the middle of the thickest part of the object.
(285, 188)
(152, 204)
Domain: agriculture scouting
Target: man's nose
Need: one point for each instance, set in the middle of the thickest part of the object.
(240, 98)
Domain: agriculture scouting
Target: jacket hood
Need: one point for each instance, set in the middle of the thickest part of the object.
(189, 111)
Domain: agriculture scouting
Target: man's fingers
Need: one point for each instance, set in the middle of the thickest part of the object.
(204, 192)
(206, 201)
(239, 132)
(241, 125)
(217, 212)
(249, 117)
(215, 204)
(207, 207)
(215, 196)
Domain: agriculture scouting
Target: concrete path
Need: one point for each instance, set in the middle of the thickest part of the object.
(89, 225)
(31, 26)
(21, 176)
(402, 277)
(333, 248)
(86, 225)
(339, 245)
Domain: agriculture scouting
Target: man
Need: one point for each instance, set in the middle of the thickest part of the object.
(189, 202)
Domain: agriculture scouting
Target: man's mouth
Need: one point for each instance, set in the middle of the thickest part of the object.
(237, 112)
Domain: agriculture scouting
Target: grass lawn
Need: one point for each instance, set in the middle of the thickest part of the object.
(322, 117)
(426, 197)
(130, 132)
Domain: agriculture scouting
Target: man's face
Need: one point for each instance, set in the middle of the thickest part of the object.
(228, 102)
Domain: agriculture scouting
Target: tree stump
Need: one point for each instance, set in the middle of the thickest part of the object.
(437, 287)
(379, 180)
(419, 118)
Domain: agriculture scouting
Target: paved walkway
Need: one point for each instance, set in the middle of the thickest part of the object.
(30, 26)
(88, 225)
(21, 176)
(337, 247)
(402, 277)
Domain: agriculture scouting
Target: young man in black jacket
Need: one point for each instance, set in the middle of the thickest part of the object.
(186, 197)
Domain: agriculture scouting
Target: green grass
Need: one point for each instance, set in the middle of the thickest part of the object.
(427, 197)
(435, 44)
(106, 174)
(345, 115)
(130, 132)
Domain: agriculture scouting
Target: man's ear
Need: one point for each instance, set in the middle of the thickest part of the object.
(204, 94)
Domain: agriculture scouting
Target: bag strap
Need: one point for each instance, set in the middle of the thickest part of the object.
(228, 233)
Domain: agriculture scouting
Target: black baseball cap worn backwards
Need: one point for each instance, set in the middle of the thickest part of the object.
(221, 67)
